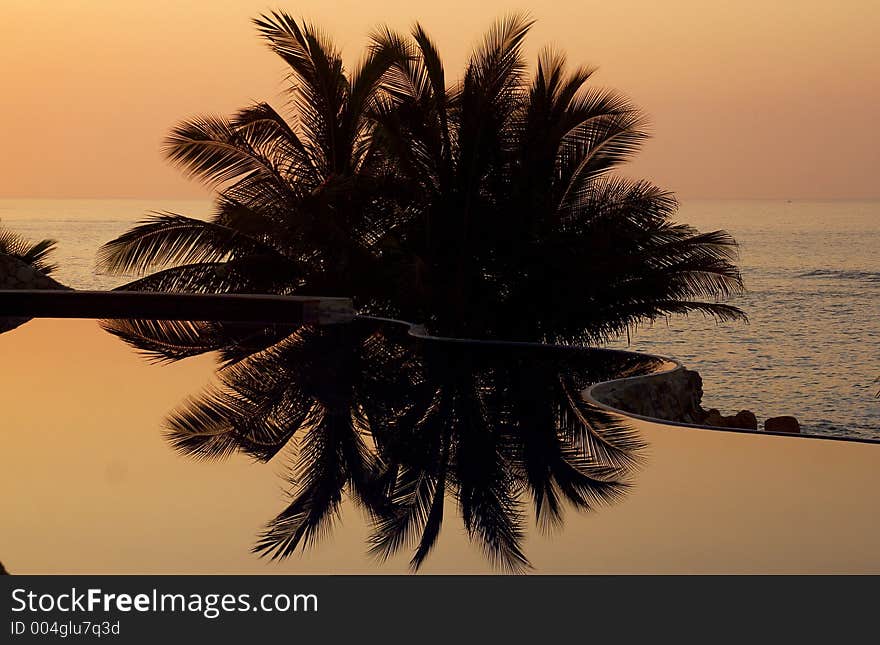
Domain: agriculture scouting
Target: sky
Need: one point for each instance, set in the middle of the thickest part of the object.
(748, 99)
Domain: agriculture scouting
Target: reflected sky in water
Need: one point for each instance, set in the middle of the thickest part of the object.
(90, 484)
(366, 413)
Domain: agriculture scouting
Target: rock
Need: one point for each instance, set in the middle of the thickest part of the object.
(713, 418)
(782, 424)
(670, 396)
(743, 419)
(676, 396)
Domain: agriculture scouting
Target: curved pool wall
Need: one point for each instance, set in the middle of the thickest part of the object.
(646, 386)
(638, 385)
(616, 395)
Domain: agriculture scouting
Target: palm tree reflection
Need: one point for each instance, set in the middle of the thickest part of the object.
(397, 424)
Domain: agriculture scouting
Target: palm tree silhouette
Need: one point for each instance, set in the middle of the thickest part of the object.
(519, 232)
(34, 254)
(397, 424)
(485, 208)
(482, 208)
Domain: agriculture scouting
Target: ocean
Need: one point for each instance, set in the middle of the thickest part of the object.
(812, 272)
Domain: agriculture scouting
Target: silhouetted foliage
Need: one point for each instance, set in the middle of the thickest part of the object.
(480, 208)
(36, 254)
(398, 424)
(483, 207)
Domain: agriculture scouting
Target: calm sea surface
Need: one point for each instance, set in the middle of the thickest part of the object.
(812, 270)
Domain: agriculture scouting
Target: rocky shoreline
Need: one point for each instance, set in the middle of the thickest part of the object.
(678, 396)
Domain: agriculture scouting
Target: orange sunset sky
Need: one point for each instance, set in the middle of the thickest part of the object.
(748, 99)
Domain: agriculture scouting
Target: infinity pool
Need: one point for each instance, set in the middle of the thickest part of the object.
(89, 484)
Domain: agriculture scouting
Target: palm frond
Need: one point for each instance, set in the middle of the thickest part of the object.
(411, 510)
(603, 134)
(431, 527)
(216, 151)
(498, 62)
(36, 254)
(204, 427)
(329, 451)
(251, 411)
(167, 238)
(608, 441)
(319, 86)
(163, 341)
(269, 133)
(251, 274)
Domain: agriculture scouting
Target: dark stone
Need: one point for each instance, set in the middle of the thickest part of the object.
(743, 419)
(670, 396)
(713, 418)
(677, 396)
(782, 424)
